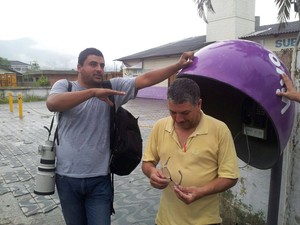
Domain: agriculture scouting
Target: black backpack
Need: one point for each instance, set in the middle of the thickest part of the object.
(125, 139)
(126, 142)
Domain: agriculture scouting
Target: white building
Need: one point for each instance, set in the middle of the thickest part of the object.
(19, 66)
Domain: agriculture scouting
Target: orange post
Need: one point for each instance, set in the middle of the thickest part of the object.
(10, 101)
(20, 102)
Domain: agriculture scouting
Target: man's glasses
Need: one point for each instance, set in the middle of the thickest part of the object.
(167, 174)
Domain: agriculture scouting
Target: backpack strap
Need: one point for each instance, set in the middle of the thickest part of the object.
(70, 86)
(107, 84)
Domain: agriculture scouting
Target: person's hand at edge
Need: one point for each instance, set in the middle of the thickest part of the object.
(290, 91)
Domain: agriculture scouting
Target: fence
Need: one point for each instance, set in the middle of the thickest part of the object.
(8, 80)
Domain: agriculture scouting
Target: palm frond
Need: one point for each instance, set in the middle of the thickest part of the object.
(284, 7)
(297, 7)
(201, 6)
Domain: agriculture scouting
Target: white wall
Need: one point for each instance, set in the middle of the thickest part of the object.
(42, 92)
(231, 19)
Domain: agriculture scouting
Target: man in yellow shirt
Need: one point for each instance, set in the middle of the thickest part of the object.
(191, 156)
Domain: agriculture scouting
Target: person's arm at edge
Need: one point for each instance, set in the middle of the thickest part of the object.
(155, 76)
(291, 92)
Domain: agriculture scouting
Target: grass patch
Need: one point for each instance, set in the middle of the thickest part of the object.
(27, 98)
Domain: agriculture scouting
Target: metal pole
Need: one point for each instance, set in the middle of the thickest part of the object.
(274, 193)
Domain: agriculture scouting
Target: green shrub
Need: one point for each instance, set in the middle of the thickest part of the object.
(43, 81)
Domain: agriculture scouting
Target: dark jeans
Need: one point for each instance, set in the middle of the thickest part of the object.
(209, 224)
(85, 201)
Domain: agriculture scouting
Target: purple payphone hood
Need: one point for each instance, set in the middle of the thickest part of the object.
(230, 71)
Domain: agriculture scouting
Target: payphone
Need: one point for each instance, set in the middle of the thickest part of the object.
(238, 80)
(254, 119)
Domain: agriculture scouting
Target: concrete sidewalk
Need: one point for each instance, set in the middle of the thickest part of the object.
(136, 201)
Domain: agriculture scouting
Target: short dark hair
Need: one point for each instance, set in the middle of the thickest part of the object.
(184, 90)
(86, 52)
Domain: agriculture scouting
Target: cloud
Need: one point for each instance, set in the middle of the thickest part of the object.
(26, 50)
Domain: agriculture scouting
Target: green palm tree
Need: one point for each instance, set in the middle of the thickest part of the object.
(284, 8)
(202, 5)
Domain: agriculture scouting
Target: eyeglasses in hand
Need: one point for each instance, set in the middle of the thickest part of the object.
(167, 174)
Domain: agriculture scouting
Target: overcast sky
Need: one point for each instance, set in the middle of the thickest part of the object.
(117, 27)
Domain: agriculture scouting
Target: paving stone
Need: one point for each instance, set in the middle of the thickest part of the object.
(136, 202)
(10, 177)
(4, 190)
(29, 206)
